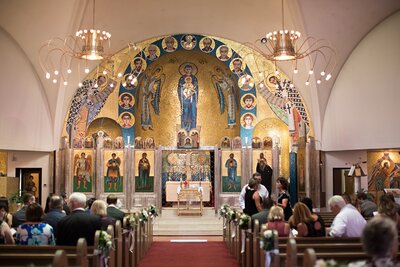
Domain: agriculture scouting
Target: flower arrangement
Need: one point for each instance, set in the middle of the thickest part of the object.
(244, 220)
(233, 215)
(267, 240)
(131, 221)
(333, 263)
(223, 210)
(143, 215)
(105, 242)
(152, 211)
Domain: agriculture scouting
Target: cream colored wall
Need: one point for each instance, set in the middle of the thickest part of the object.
(362, 111)
(25, 159)
(25, 121)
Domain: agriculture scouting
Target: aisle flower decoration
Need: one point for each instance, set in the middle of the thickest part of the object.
(223, 210)
(152, 211)
(244, 221)
(143, 215)
(267, 240)
(131, 221)
(333, 263)
(233, 215)
(105, 242)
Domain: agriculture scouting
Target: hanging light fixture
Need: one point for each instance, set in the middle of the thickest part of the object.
(58, 55)
(283, 45)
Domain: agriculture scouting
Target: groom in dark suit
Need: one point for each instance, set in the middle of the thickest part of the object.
(112, 210)
(77, 224)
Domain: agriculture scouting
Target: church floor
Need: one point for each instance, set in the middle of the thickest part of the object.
(181, 237)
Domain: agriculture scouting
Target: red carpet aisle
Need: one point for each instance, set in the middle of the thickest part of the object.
(188, 254)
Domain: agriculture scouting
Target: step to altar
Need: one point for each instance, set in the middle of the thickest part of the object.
(189, 223)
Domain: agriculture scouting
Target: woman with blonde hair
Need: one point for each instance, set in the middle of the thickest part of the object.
(306, 223)
(99, 208)
(276, 221)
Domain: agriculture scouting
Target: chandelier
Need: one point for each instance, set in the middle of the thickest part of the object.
(58, 55)
(284, 45)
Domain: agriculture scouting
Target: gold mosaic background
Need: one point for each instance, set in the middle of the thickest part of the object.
(3, 163)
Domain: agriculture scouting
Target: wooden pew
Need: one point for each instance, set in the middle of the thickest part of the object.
(118, 244)
(309, 258)
(18, 255)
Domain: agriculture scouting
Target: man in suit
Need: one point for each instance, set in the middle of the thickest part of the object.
(77, 224)
(19, 217)
(112, 209)
(56, 212)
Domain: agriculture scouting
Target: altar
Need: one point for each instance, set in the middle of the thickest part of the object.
(171, 190)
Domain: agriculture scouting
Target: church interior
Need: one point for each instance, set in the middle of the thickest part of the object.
(194, 94)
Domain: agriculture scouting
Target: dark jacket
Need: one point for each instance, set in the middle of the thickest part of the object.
(76, 225)
(19, 217)
(115, 213)
(53, 217)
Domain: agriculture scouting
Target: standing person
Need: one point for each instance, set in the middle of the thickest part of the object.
(20, 216)
(144, 171)
(78, 224)
(283, 197)
(112, 209)
(33, 231)
(262, 191)
(231, 165)
(348, 221)
(266, 172)
(55, 213)
(113, 174)
(252, 199)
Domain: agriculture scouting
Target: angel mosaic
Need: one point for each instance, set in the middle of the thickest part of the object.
(82, 172)
(150, 89)
(224, 82)
(385, 174)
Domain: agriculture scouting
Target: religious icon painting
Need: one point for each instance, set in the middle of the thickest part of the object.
(225, 142)
(130, 81)
(152, 52)
(224, 53)
(248, 101)
(246, 82)
(82, 170)
(231, 162)
(89, 142)
(144, 171)
(169, 44)
(126, 120)
(108, 142)
(273, 81)
(256, 142)
(126, 101)
(77, 142)
(138, 65)
(188, 41)
(207, 44)
(237, 66)
(267, 142)
(119, 142)
(113, 171)
(248, 120)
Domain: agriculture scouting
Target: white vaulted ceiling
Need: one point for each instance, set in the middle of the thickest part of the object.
(27, 24)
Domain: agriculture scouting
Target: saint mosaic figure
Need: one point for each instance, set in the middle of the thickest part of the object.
(231, 165)
(188, 91)
(144, 171)
(113, 176)
(82, 172)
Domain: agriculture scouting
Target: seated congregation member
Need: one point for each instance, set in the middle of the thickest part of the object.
(283, 197)
(367, 207)
(252, 200)
(380, 241)
(308, 202)
(99, 208)
(64, 196)
(89, 204)
(305, 223)
(276, 221)
(47, 206)
(5, 216)
(20, 216)
(5, 233)
(112, 209)
(262, 216)
(78, 223)
(34, 231)
(348, 221)
(55, 213)
(262, 190)
(388, 209)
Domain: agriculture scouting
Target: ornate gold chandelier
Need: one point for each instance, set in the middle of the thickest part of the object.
(283, 45)
(56, 56)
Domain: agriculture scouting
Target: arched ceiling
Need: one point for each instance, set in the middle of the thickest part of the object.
(343, 22)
